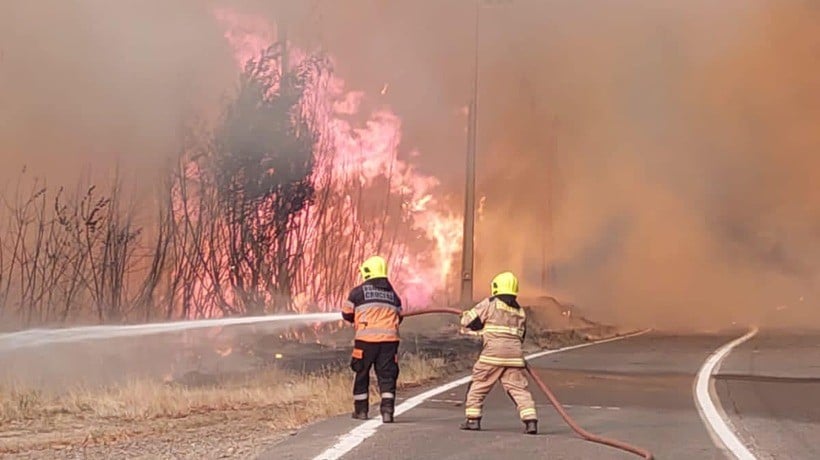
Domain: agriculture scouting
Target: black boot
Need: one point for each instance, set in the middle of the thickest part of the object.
(387, 407)
(531, 426)
(471, 424)
(360, 409)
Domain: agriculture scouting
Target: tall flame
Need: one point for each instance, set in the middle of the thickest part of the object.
(365, 154)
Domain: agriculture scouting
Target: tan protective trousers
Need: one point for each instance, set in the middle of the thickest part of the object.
(513, 379)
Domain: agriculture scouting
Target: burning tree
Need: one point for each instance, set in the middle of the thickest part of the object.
(262, 165)
(294, 188)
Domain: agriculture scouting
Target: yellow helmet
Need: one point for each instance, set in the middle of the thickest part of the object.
(374, 267)
(505, 283)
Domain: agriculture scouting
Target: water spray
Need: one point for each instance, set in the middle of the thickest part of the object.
(36, 337)
(586, 435)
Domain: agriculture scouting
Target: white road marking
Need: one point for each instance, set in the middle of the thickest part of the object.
(708, 404)
(357, 435)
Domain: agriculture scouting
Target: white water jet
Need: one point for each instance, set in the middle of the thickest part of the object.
(36, 337)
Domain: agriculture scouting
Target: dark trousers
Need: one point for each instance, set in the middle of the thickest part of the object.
(384, 357)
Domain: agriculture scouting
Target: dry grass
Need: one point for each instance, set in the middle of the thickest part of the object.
(31, 419)
(200, 416)
(149, 399)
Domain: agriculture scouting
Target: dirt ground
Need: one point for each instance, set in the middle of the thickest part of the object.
(231, 393)
(222, 434)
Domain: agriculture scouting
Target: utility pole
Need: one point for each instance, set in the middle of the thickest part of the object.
(544, 230)
(468, 243)
(553, 189)
(547, 234)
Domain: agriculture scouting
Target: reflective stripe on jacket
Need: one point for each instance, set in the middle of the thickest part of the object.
(374, 308)
(503, 328)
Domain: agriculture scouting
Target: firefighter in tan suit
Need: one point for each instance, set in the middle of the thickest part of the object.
(502, 322)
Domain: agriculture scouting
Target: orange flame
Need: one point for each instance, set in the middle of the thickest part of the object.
(223, 352)
(365, 154)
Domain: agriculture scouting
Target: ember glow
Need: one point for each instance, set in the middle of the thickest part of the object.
(425, 238)
(223, 352)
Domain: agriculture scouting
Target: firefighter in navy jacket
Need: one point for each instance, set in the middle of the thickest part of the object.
(374, 308)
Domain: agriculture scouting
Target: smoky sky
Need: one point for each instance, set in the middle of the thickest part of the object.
(85, 83)
(652, 162)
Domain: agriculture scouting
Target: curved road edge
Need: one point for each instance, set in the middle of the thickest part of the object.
(708, 403)
(357, 435)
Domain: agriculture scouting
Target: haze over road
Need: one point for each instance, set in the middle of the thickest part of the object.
(639, 390)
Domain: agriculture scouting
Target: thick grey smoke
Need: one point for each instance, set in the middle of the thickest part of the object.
(83, 84)
(661, 154)
(685, 162)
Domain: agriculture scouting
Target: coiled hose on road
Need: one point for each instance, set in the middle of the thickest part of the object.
(554, 401)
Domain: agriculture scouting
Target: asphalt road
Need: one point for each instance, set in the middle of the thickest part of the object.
(770, 389)
(639, 390)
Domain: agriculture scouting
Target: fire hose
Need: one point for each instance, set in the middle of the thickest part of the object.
(586, 435)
